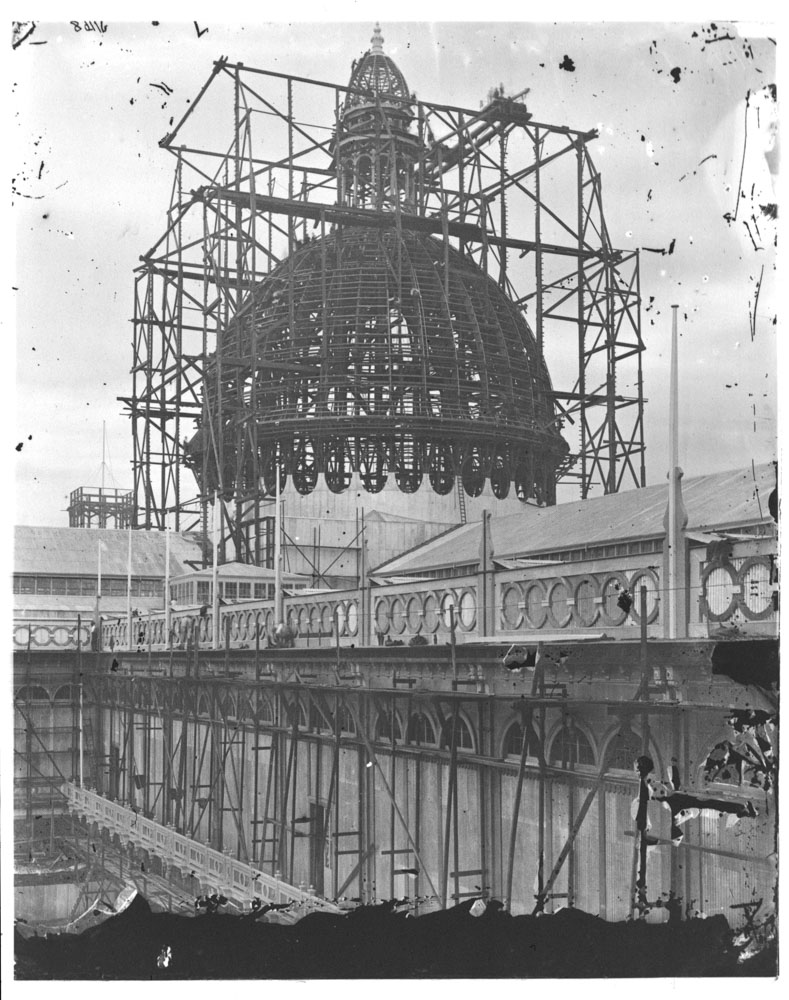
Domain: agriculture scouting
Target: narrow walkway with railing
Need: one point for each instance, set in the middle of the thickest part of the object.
(214, 870)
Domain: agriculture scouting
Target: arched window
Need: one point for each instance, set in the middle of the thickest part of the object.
(421, 730)
(347, 725)
(245, 708)
(622, 751)
(385, 724)
(570, 747)
(463, 738)
(318, 722)
(68, 692)
(265, 713)
(300, 718)
(513, 742)
(35, 693)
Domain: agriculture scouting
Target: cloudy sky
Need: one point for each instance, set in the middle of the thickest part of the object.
(686, 120)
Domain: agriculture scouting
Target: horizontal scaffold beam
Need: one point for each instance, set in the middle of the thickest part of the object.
(466, 231)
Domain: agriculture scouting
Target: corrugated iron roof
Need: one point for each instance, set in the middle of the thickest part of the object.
(237, 570)
(74, 551)
(26, 605)
(714, 502)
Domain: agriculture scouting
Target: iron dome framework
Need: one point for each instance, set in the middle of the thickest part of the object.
(517, 199)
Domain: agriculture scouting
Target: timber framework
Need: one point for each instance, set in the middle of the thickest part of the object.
(519, 198)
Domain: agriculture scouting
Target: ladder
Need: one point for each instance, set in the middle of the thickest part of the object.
(461, 498)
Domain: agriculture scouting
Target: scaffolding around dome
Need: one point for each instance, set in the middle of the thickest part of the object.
(365, 283)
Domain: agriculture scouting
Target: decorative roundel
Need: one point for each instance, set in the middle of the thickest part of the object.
(314, 623)
(719, 591)
(352, 618)
(644, 578)
(413, 614)
(269, 625)
(535, 611)
(756, 588)
(467, 610)
(234, 625)
(398, 615)
(610, 591)
(560, 610)
(41, 635)
(382, 615)
(304, 621)
(339, 617)
(448, 601)
(430, 616)
(327, 620)
(512, 606)
(60, 636)
(21, 635)
(587, 608)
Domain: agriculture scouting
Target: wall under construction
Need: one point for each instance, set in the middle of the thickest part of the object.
(385, 773)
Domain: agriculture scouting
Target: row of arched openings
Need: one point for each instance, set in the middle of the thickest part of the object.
(568, 746)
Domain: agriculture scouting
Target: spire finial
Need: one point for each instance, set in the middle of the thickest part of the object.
(377, 40)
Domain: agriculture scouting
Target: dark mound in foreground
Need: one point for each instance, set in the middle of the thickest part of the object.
(379, 942)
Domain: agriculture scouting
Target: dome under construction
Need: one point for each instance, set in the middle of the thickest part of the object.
(378, 349)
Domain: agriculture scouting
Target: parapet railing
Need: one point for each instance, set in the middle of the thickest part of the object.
(214, 870)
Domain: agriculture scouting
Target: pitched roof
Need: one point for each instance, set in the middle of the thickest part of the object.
(74, 551)
(234, 570)
(717, 501)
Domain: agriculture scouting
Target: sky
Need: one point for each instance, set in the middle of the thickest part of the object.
(686, 120)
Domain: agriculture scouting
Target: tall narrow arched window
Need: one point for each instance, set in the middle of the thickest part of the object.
(570, 746)
(421, 730)
(513, 742)
(463, 737)
(347, 725)
(622, 751)
(265, 713)
(387, 725)
(297, 714)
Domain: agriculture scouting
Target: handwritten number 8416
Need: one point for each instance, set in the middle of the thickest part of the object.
(99, 26)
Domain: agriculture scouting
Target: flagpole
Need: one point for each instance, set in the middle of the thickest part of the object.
(277, 548)
(673, 577)
(98, 601)
(215, 571)
(128, 591)
(167, 612)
